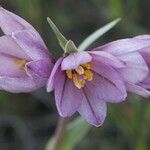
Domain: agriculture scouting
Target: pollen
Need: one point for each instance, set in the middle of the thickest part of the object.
(80, 75)
(80, 70)
(87, 66)
(88, 75)
(21, 63)
(69, 74)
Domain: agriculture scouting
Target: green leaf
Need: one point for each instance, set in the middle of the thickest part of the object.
(94, 36)
(75, 132)
(62, 40)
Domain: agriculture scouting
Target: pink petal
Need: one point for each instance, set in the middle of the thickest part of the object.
(67, 96)
(138, 90)
(10, 47)
(124, 46)
(146, 82)
(10, 22)
(92, 108)
(8, 67)
(107, 85)
(21, 85)
(107, 58)
(31, 44)
(73, 60)
(40, 68)
(53, 75)
(136, 70)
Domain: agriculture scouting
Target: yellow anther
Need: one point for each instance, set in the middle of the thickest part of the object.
(80, 75)
(78, 83)
(88, 75)
(69, 74)
(80, 70)
(87, 66)
(21, 63)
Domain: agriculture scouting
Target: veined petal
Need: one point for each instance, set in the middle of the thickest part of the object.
(107, 84)
(8, 67)
(53, 76)
(146, 55)
(31, 44)
(107, 58)
(67, 96)
(10, 47)
(74, 60)
(124, 46)
(145, 83)
(138, 90)
(40, 68)
(21, 85)
(9, 22)
(92, 108)
(136, 69)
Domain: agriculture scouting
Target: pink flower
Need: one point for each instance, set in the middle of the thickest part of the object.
(135, 53)
(25, 63)
(86, 81)
(145, 52)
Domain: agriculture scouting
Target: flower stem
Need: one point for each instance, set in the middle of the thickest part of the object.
(58, 135)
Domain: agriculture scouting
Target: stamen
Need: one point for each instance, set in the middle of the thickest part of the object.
(80, 75)
(69, 74)
(88, 75)
(87, 66)
(80, 70)
(78, 83)
(21, 63)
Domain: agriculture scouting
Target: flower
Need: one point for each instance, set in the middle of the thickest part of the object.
(25, 63)
(86, 81)
(135, 53)
(145, 52)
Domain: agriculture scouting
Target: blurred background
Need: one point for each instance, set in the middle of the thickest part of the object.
(27, 121)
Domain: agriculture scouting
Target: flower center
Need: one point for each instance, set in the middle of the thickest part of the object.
(21, 63)
(80, 75)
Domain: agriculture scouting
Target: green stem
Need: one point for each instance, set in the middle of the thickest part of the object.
(58, 135)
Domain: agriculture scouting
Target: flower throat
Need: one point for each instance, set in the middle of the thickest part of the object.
(80, 75)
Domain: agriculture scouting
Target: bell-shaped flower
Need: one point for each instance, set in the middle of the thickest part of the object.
(135, 54)
(145, 52)
(85, 81)
(25, 63)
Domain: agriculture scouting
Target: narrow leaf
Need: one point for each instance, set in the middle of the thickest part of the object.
(62, 40)
(94, 36)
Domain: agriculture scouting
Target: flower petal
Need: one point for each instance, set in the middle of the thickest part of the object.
(107, 58)
(40, 68)
(21, 85)
(107, 84)
(73, 60)
(138, 90)
(10, 22)
(10, 47)
(124, 46)
(146, 82)
(31, 44)
(67, 96)
(8, 67)
(52, 78)
(136, 70)
(92, 108)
